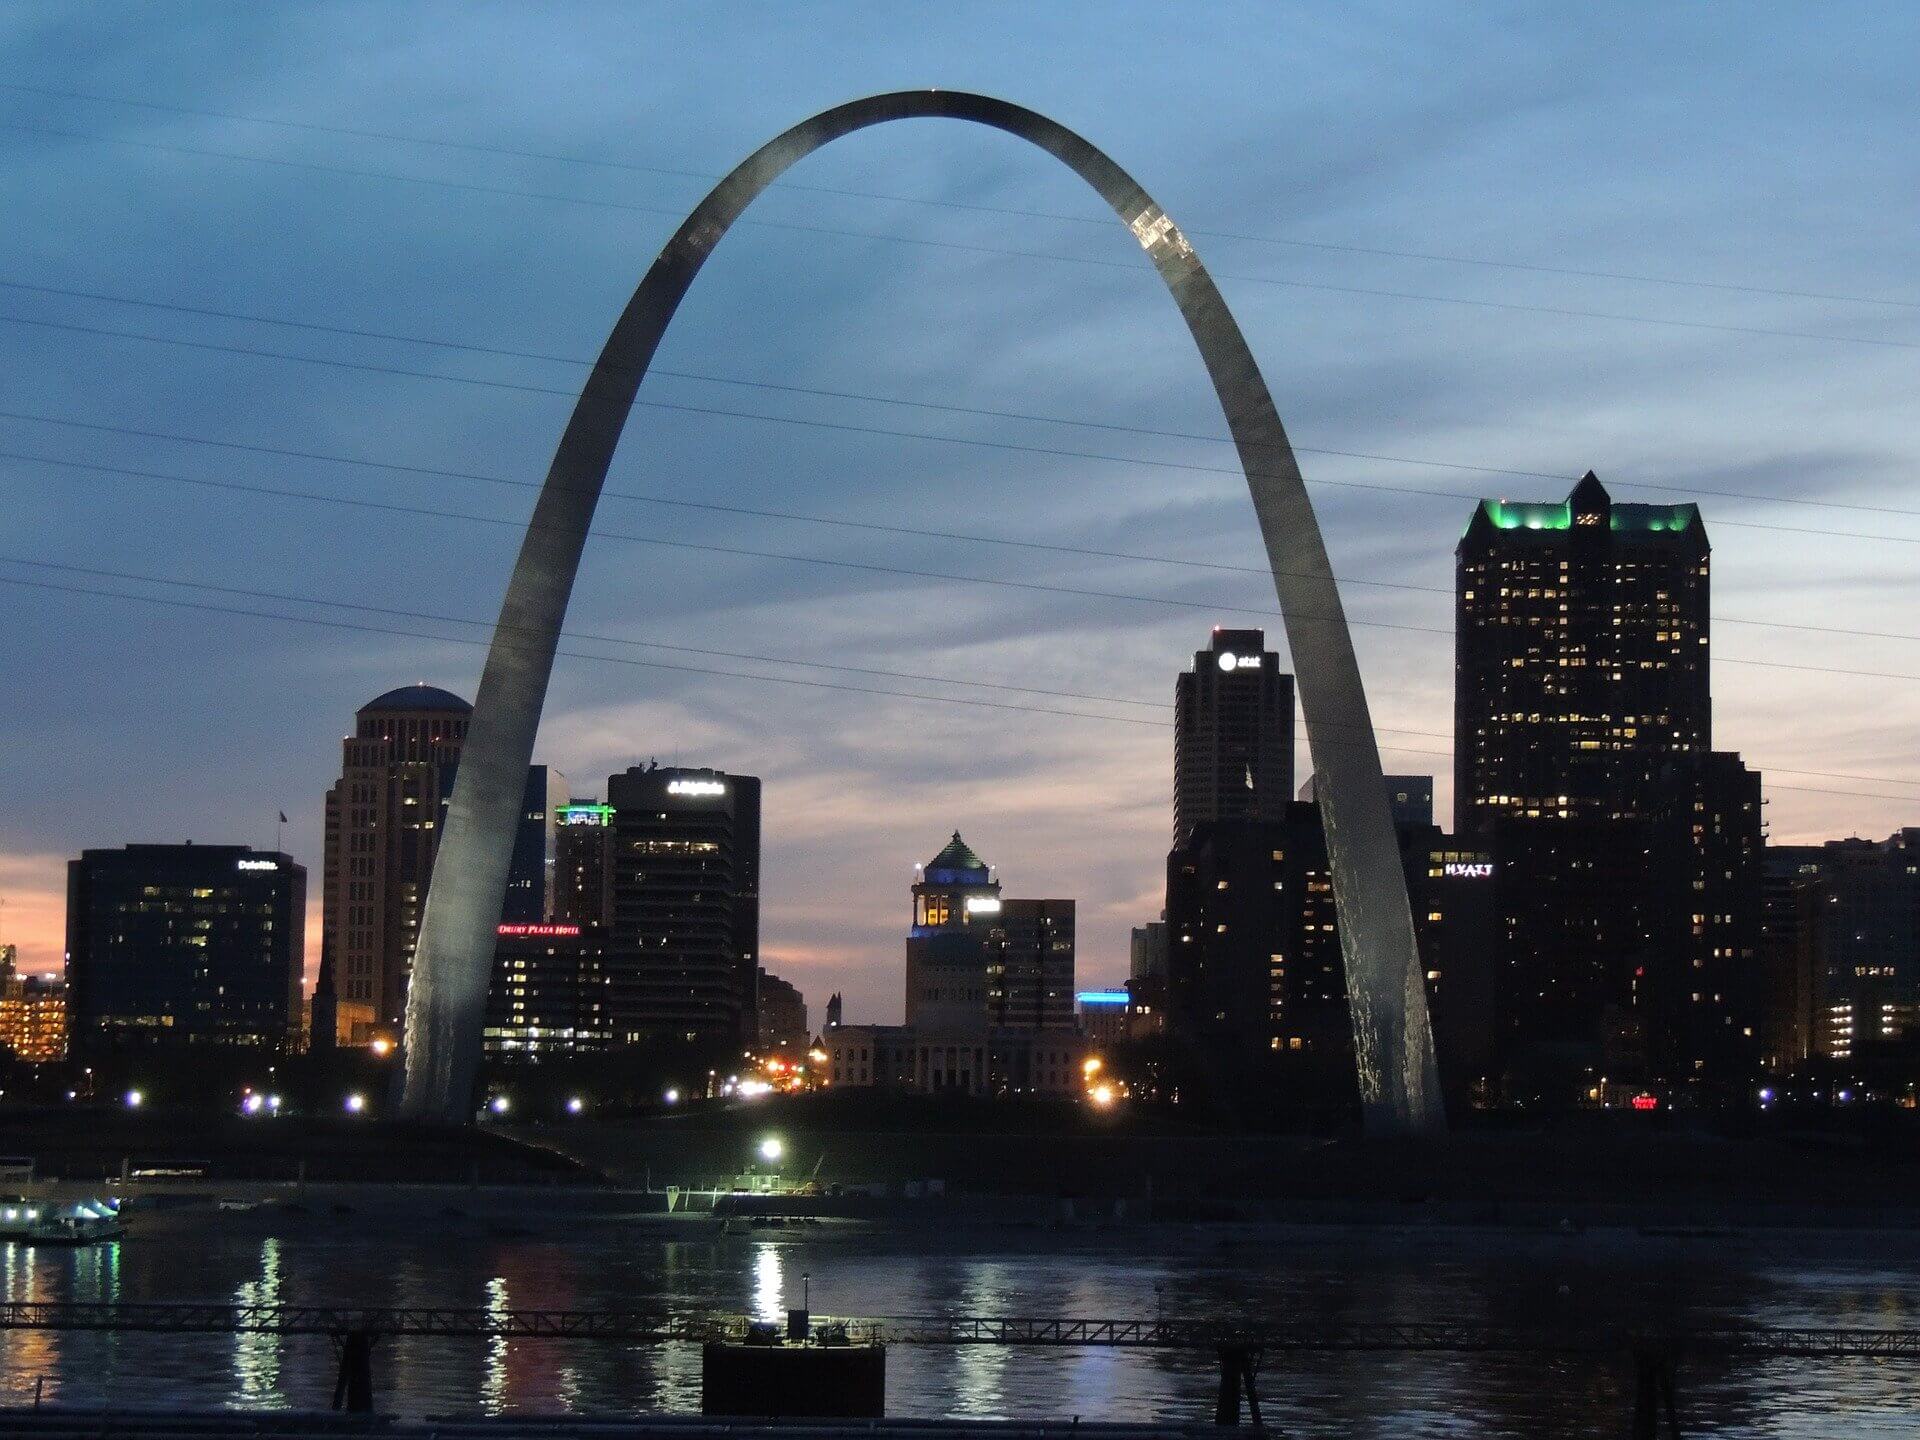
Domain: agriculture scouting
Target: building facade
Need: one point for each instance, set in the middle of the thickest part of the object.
(1233, 734)
(33, 1013)
(1580, 647)
(384, 819)
(583, 864)
(1030, 966)
(184, 944)
(685, 903)
(956, 910)
(783, 1014)
(1868, 942)
(551, 992)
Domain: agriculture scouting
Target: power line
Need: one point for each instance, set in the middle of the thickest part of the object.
(738, 675)
(966, 537)
(862, 566)
(710, 177)
(710, 651)
(1050, 451)
(1506, 306)
(867, 397)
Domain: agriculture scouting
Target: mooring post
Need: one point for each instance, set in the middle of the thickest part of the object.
(1655, 1390)
(353, 1389)
(1236, 1376)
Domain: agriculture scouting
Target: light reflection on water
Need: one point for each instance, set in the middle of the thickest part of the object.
(1516, 1281)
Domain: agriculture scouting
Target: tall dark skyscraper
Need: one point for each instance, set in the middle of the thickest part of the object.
(184, 944)
(384, 818)
(1580, 647)
(686, 903)
(1030, 966)
(583, 864)
(1233, 734)
(382, 831)
(1627, 850)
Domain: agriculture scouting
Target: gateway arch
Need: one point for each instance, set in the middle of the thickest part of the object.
(446, 1000)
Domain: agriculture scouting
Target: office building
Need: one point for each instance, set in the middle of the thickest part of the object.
(1869, 944)
(1627, 848)
(384, 818)
(956, 908)
(1580, 646)
(1030, 966)
(33, 1013)
(1233, 734)
(551, 992)
(1255, 980)
(583, 864)
(686, 903)
(783, 1014)
(1102, 1017)
(984, 1064)
(531, 872)
(184, 944)
(1409, 798)
(1793, 963)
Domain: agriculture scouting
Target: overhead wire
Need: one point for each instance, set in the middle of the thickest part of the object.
(804, 422)
(710, 177)
(855, 565)
(711, 671)
(1504, 306)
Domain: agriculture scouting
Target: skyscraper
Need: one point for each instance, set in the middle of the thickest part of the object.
(686, 903)
(956, 907)
(1626, 849)
(184, 944)
(1233, 734)
(382, 831)
(583, 864)
(1868, 942)
(1030, 966)
(384, 818)
(1580, 648)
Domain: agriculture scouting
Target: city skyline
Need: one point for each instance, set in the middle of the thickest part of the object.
(1084, 803)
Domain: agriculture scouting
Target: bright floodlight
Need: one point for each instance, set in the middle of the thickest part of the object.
(134, 1099)
(771, 1149)
(1102, 1095)
(251, 1105)
(672, 1097)
(356, 1103)
(499, 1105)
(576, 1105)
(382, 1047)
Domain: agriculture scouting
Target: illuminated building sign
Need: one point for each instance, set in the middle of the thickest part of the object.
(536, 931)
(1467, 869)
(584, 814)
(1102, 997)
(256, 864)
(695, 787)
(1645, 1102)
(983, 905)
(1231, 662)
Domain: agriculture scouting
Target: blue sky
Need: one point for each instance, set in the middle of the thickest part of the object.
(1768, 149)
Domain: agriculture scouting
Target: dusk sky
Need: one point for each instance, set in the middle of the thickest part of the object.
(1474, 256)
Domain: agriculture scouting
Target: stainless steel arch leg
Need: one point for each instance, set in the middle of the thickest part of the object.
(445, 1004)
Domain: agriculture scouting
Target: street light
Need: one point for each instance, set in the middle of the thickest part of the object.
(134, 1099)
(356, 1103)
(499, 1105)
(771, 1149)
(576, 1105)
(672, 1097)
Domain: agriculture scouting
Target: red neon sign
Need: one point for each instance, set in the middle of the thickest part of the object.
(536, 930)
(1645, 1102)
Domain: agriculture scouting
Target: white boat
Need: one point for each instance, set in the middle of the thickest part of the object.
(64, 1222)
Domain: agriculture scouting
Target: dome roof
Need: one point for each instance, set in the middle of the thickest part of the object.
(957, 855)
(418, 697)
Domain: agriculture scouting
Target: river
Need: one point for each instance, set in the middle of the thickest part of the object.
(1866, 1279)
